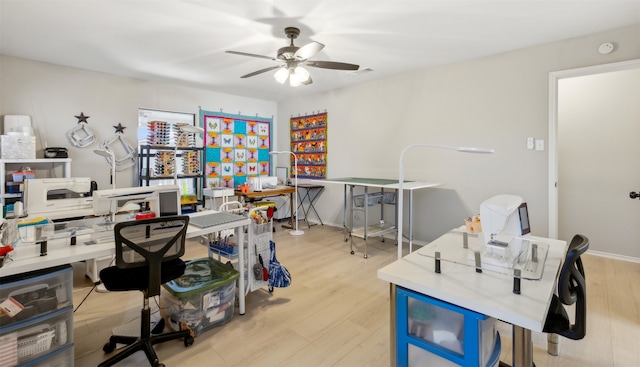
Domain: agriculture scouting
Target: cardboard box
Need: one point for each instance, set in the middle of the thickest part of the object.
(17, 147)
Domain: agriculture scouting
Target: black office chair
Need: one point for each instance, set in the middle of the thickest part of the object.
(147, 255)
(571, 289)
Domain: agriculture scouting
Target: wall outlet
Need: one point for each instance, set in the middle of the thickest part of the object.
(530, 143)
(539, 144)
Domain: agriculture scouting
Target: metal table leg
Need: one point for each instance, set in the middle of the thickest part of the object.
(309, 195)
(522, 347)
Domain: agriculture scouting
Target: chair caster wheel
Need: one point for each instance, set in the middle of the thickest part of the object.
(188, 341)
(270, 289)
(353, 252)
(108, 347)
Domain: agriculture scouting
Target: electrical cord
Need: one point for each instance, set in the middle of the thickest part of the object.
(85, 297)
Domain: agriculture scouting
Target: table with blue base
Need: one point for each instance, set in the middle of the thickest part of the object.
(487, 293)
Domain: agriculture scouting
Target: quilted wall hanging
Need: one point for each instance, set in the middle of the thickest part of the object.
(236, 147)
(309, 143)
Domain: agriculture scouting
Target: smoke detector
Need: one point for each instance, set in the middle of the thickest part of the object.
(606, 48)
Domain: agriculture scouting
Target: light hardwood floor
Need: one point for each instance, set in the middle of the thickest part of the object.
(336, 313)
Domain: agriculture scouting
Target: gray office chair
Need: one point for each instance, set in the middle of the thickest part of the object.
(571, 289)
(147, 255)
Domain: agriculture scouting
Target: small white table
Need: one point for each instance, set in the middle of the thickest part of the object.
(488, 293)
(384, 184)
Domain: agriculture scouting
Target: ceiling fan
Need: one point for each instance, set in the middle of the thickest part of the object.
(292, 58)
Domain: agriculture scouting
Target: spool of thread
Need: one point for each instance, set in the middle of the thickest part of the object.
(18, 208)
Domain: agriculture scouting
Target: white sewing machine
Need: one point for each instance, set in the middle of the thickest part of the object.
(260, 183)
(58, 198)
(162, 200)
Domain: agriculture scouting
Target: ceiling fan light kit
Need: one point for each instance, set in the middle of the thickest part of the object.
(292, 58)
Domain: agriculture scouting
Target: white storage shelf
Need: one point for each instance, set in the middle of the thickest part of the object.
(41, 166)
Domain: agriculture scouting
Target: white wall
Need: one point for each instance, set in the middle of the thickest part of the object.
(495, 102)
(53, 95)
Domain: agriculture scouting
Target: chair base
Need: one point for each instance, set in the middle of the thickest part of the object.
(135, 344)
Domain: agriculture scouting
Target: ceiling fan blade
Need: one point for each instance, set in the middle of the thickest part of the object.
(251, 55)
(308, 50)
(261, 71)
(332, 65)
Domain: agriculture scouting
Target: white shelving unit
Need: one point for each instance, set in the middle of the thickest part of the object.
(7, 166)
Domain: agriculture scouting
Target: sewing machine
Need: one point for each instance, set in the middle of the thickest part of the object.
(260, 183)
(161, 200)
(58, 198)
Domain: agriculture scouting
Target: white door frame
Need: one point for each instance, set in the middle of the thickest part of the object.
(554, 77)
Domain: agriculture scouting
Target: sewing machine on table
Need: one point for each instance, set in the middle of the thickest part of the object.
(68, 198)
(58, 198)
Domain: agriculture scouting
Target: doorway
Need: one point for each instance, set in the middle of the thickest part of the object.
(594, 157)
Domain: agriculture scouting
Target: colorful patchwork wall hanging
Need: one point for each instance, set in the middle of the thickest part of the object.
(236, 147)
(309, 143)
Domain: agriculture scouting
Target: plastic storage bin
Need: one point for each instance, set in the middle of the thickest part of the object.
(201, 298)
(39, 336)
(61, 357)
(14, 187)
(433, 332)
(39, 292)
(20, 176)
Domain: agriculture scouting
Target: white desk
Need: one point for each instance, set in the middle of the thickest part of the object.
(487, 293)
(351, 182)
(26, 257)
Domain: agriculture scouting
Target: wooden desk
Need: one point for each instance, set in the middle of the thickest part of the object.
(486, 293)
(280, 190)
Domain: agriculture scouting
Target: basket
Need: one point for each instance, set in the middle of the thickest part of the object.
(262, 228)
(374, 199)
(35, 344)
(388, 198)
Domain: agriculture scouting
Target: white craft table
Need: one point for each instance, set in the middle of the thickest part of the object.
(383, 184)
(26, 257)
(488, 293)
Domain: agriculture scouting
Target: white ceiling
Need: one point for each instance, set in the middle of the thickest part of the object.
(183, 41)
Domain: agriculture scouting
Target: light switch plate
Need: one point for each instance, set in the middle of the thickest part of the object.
(530, 143)
(539, 144)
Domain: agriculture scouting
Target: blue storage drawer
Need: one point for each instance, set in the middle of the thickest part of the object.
(434, 332)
